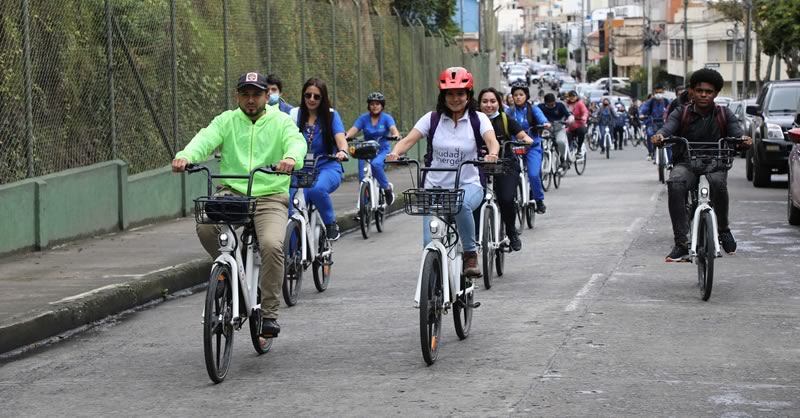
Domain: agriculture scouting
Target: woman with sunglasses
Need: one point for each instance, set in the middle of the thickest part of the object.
(454, 141)
(505, 186)
(324, 132)
(377, 126)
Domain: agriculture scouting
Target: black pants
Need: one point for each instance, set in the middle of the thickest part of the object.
(618, 135)
(578, 135)
(505, 189)
(681, 180)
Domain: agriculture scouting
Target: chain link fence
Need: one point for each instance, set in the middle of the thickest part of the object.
(86, 81)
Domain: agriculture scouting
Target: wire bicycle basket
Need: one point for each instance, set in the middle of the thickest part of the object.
(304, 178)
(230, 210)
(433, 202)
(364, 150)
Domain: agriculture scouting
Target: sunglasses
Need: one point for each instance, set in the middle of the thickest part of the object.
(313, 96)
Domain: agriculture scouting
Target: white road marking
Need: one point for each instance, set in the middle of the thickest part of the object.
(581, 293)
(635, 225)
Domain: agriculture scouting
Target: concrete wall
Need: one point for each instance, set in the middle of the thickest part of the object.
(45, 211)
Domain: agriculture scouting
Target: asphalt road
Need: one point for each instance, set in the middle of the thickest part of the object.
(587, 321)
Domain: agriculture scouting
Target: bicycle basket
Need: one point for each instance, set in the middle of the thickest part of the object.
(234, 210)
(439, 202)
(304, 178)
(364, 150)
(711, 159)
(520, 149)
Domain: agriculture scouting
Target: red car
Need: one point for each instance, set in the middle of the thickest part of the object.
(793, 204)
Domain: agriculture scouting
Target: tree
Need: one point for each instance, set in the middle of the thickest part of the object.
(436, 14)
(781, 32)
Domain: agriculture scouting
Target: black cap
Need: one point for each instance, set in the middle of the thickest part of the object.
(252, 79)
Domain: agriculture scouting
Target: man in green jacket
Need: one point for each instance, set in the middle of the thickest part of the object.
(252, 136)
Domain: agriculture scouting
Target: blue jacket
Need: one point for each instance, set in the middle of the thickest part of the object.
(621, 119)
(606, 116)
(654, 109)
(555, 114)
(521, 116)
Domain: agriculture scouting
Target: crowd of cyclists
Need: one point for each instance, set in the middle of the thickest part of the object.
(265, 131)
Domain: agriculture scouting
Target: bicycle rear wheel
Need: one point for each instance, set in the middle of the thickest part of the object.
(431, 306)
(545, 175)
(530, 215)
(365, 211)
(592, 140)
(323, 264)
(557, 172)
(380, 213)
(462, 310)
(519, 205)
(706, 252)
(608, 145)
(216, 323)
(500, 255)
(487, 253)
(292, 263)
(662, 166)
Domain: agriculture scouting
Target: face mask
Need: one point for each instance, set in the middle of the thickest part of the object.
(495, 114)
(274, 98)
(659, 96)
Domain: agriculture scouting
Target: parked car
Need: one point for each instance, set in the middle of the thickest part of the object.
(793, 202)
(594, 96)
(773, 115)
(618, 83)
(724, 101)
(565, 88)
(626, 101)
(518, 73)
(745, 120)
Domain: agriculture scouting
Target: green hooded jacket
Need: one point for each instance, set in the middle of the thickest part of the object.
(245, 145)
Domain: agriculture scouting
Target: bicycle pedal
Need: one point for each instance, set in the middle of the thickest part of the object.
(474, 305)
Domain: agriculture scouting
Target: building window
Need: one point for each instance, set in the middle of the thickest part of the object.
(676, 48)
(729, 51)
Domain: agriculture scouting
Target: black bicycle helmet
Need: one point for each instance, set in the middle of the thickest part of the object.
(376, 96)
(572, 93)
(519, 84)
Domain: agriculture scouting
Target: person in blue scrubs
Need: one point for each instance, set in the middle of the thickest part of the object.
(323, 130)
(528, 116)
(377, 125)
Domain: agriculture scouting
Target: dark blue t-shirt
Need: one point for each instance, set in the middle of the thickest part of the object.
(317, 144)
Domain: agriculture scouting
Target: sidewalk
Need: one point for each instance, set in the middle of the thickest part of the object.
(46, 293)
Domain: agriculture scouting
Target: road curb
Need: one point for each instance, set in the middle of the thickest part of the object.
(40, 324)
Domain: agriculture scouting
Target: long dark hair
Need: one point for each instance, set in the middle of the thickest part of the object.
(324, 113)
(441, 103)
(497, 95)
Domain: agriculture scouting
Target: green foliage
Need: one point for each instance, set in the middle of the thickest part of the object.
(780, 34)
(562, 56)
(594, 72)
(436, 14)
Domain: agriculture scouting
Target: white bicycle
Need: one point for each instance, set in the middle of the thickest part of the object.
(232, 296)
(441, 285)
(371, 202)
(306, 243)
(608, 143)
(705, 158)
(550, 160)
(492, 238)
(525, 207)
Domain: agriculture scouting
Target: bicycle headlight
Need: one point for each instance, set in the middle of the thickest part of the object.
(704, 192)
(774, 132)
(436, 229)
(295, 202)
(223, 240)
(365, 169)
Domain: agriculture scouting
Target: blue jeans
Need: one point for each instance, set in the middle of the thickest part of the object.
(651, 130)
(377, 166)
(534, 158)
(465, 221)
(328, 180)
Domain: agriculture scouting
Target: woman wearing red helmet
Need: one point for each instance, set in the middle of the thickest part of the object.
(451, 131)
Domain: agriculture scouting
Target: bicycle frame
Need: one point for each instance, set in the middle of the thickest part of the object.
(309, 219)
(373, 188)
(703, 205)
(244, 276)
(450, 261)
(489, 201)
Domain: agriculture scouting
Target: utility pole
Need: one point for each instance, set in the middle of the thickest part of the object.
(583, 41)
(747, 29)
(685, 40)
(461, 12)
(649, 52)
(610, 47)
(735, 33)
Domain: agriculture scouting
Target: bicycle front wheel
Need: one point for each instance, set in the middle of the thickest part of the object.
(556, 169)
(592, 140)
(706, 252)
(580, 162)
(608, 145)
(431, 306)
(217, 329)
(545, 175)
(487, 253)
(519, 205)
(365, 211)
(662, 166)
(260, 344)
(292, 263)
(380, 213)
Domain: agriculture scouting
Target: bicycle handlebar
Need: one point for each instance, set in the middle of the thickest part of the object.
(271, 169)
(457, 170)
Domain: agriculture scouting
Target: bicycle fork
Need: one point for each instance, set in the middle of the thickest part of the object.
(703, 206)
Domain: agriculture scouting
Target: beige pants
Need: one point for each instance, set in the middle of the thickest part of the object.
(270, 224)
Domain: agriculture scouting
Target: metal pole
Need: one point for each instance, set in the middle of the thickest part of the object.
(685, 40)
(303, 36)
(734, 82)
(649, 52)
(174, 39)
(610, 22)
(778, 67)
(225, 52)
(748, 28)
(110, 72)
(399, 71)
(358, 46)
(269, 38)
(333, 47)
(461, 12)
(583, 41)
(26, 48)
(381, 53)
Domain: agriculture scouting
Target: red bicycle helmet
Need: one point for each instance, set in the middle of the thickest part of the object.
(455, 78)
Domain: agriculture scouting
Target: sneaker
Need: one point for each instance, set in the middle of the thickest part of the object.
(471, 268)
(649, 158)
(388, 194)
(728, 242)
(679, 254)
(516, 243)
(332, 231)
(540, 207)
(269, 328)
